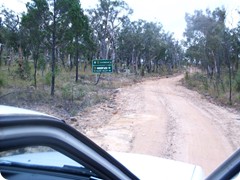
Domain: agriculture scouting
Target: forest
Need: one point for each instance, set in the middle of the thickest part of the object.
(50, 47)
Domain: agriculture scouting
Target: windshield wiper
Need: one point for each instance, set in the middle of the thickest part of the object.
(81, 171)
(76, 170)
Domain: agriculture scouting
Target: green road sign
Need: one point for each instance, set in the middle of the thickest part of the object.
(102, 66)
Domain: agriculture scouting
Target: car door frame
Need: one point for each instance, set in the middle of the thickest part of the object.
(29, 129)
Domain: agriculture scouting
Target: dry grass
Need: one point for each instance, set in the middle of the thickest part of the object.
(70, 96)
(218, 93)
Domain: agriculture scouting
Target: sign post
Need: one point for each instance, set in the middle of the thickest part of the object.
(102, 66)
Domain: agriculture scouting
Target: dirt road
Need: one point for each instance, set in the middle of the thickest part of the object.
(162, 118)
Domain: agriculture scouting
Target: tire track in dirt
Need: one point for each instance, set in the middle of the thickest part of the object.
(160, 117)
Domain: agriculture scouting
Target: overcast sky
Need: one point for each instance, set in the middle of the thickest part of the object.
(170, 13)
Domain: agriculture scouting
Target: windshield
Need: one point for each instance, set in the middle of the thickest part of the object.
(42, 158)
(38, 155)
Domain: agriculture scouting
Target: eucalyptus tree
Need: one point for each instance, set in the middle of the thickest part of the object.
(235, 47)
(130, 44)
(55, 19)
(205, 35)
(196, 37)
(212, 43)
(10, 35)
(34, 23)
(152, 44)
(106, 21)
(172, 53)
(2, 39)
(55, 25)
(79, 31)
(232, 55)
(146, 45)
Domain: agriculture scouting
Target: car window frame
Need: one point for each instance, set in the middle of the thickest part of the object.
(28, 121)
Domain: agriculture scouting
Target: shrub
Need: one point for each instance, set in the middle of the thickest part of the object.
(237, 81)
(79, 93)
(2, 78)
(72, 92)
(27, 69)
(186, 75)
(1, 82)
(48, 78)
(67, 92)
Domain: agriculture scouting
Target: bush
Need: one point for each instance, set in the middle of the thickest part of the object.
(2, 79)
(1, 82)
(79, 94)
(186, 75)
(27, 69)
(71, 92)
(67, 92)
(48, 78)
(237, 81)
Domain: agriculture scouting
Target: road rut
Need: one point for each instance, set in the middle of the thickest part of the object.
(162, 118)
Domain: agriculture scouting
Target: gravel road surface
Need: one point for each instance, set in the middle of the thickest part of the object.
(162, 118)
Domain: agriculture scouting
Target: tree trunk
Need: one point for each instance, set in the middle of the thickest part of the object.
(1, 50)
(230, 84)
(36, 56)
(85, 66)
(227, 56)
(77, 56)
(9, 61)
(53, 49)
(70, 62)
(20, 62)
(62, 59)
